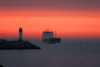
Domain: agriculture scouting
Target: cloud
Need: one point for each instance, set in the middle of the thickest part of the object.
(52, 4)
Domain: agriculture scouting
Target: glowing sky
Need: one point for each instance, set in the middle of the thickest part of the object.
(72, 19)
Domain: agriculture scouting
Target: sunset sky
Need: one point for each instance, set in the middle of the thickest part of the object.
(72, 19)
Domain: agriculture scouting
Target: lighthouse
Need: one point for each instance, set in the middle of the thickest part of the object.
(20, 34)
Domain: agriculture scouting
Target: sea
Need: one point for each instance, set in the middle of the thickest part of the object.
(69, 53)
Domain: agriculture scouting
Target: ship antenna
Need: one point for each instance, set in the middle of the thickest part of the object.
(55, 33)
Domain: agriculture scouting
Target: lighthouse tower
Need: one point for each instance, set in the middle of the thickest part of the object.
(20, 34)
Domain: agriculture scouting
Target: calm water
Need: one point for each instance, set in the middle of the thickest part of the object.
(69, 53)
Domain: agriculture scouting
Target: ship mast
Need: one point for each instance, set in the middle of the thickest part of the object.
(55, 33)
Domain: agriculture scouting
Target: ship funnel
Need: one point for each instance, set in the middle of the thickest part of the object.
(51, 30)
(47, 29)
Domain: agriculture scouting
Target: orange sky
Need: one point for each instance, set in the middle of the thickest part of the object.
(69, 24)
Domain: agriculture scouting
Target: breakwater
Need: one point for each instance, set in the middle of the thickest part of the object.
(20, 44)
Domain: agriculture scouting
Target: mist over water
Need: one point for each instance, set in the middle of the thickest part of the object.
(69, 53)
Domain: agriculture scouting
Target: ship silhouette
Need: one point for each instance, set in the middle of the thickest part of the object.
(48, 37)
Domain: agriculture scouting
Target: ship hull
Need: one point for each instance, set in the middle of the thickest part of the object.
(45, 40)
(52, 40)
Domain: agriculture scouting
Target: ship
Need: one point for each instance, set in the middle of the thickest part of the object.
(48, 37)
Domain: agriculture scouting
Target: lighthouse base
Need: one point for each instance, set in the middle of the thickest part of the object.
(20, 39)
